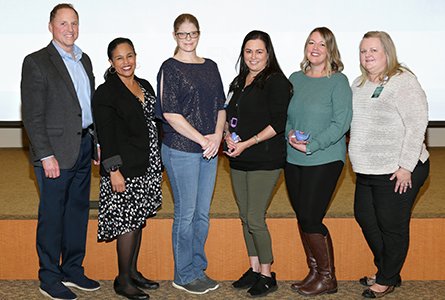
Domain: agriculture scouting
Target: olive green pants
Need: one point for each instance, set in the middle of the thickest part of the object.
(253, 190)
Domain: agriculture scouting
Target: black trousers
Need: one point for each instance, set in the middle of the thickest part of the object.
(63, 219)
(384, 217)
(310, 190)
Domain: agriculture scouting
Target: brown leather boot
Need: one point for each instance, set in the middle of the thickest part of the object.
(311, 263)
(325, 281)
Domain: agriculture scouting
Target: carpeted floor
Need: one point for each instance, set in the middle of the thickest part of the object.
(19, 198)
(348, 290)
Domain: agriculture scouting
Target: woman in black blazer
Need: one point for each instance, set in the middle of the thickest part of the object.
(130, 186)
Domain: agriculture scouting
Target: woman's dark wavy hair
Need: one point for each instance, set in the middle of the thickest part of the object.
(111, 47)
(272, 65)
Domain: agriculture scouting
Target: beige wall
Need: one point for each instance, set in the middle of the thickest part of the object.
(15, 138)
(436, 137)
(11, 138)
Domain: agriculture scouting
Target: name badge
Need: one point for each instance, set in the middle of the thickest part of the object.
(378, 90)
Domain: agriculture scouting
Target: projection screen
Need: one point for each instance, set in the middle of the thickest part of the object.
(417, 27)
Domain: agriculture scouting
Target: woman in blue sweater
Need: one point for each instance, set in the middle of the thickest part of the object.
(318, 118)
(191, 105)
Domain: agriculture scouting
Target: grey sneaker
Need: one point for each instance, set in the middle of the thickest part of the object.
(211, 284)
(196, 287)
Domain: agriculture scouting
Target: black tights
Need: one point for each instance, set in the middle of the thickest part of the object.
(128, 246)
(310, 190)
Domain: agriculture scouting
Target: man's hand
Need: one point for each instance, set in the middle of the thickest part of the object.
(51, 167)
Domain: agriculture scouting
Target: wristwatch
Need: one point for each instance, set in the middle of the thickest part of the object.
(114, 168)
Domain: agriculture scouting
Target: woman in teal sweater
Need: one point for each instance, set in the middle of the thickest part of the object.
(318, 118)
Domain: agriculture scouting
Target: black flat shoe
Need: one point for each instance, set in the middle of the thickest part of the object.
(263, 286)
(247, 280)
(120, 290)
(369, 281)
(140, 281)
(368, 293)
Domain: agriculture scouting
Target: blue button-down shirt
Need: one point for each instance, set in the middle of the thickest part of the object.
(80, 80)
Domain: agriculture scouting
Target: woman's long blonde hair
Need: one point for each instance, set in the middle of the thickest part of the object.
(334, 63)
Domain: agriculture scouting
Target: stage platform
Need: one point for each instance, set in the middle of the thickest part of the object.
(225, 247)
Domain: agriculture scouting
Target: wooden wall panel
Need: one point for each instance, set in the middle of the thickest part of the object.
(226, 251)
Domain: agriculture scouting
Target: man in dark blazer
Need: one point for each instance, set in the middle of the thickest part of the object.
(56, 90)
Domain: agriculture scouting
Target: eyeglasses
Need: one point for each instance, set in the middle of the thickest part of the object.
(183, 35)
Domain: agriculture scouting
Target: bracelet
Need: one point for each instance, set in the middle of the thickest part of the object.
(257, 139)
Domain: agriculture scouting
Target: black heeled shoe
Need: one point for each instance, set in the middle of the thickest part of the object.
(120, 290)
(144, 283)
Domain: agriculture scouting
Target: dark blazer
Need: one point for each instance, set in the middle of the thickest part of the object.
(121, 127)
(51, 111)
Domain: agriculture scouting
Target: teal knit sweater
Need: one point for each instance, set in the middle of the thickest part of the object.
(322, 107)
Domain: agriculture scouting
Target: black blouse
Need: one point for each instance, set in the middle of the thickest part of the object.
(255, 108)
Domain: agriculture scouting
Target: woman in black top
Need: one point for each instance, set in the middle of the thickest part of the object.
(130, 186)
(255, 143)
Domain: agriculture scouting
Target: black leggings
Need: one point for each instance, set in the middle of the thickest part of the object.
(310, 190)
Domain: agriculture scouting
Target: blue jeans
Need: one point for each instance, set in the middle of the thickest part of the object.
(192, 179)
